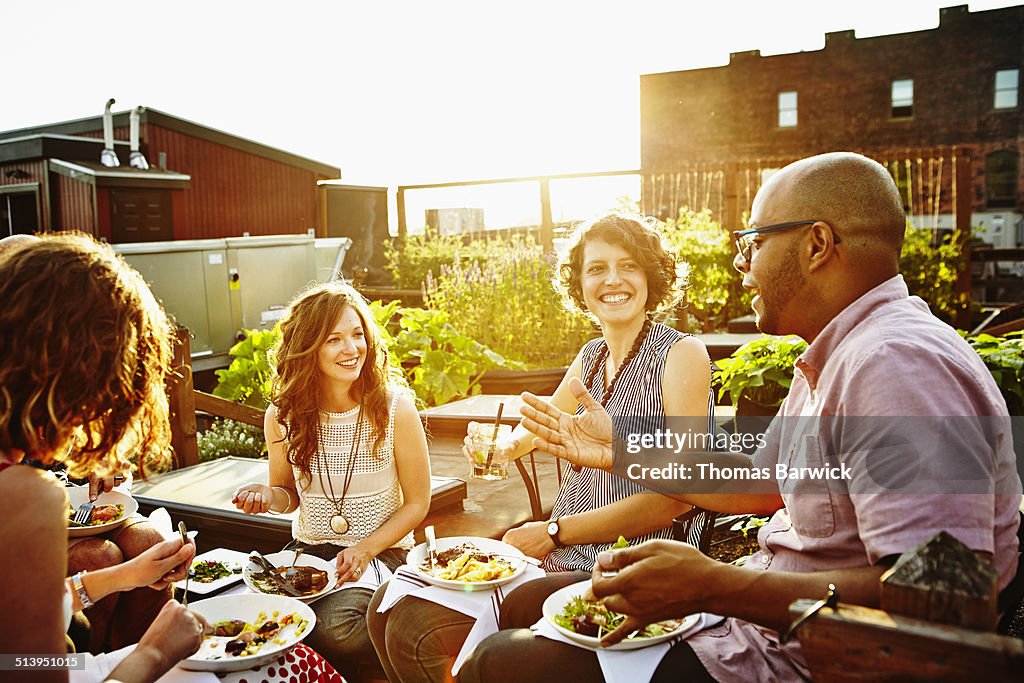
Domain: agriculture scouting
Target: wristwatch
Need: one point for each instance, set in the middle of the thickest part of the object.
(553, 530)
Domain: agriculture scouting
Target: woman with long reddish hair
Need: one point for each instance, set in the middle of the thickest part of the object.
(347, 450)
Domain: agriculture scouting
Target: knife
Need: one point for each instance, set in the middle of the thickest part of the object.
(431, 546)
(270, 569)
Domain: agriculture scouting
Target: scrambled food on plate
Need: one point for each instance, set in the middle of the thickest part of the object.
(468, 563)
(306, 580)
(589, 617)
(208, 571)
(244, 639)
(101, 514)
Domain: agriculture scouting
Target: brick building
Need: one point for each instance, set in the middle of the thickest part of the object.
(914, 101)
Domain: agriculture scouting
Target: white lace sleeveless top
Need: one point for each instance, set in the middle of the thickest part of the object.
(374, 493)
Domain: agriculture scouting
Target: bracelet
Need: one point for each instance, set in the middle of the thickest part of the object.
(76, 581)
(287, 507)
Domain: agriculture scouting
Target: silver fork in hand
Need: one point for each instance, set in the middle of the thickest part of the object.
(84, 513)
(184, 540)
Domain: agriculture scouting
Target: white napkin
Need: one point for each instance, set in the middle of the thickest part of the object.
(630, 666)
(98, 667)
(482, 605)
(161, 521)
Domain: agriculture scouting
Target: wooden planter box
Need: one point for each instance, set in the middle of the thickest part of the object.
(540, 382)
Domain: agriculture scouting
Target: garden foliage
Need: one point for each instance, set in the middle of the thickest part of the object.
(507, 302)
(227, 437)
(247, 379)
(761, 370)
(715, 294)
(439, 362)
(930, 266)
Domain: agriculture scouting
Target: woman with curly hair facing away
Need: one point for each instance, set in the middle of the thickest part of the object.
(347, 450)
(617, 272)
(83, 356)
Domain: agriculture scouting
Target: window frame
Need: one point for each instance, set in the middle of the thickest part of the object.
(902, 108)
(780, 110)
(996, 90)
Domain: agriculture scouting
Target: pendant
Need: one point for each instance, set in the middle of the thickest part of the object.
(339, 524)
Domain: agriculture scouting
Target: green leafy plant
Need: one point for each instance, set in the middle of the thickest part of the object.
(417, 255)
(930, 266)
(761, 371)
(748, 524)
(507, 302)
(439, 362)
(247, 379)
(1004, 358)
(716, 293)
(227, 437)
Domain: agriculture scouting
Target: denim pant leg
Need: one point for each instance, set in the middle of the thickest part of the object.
(417, 640)
(523, 607)
(340, 634)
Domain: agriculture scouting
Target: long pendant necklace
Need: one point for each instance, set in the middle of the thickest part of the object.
(339, 523)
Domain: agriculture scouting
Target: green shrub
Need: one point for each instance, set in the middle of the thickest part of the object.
(716, 293)
(423, 254)
(1004, 358)
(930, 268)
(226, 437)
(761, 371)
(439, 363)
(507, 303)
(247, 379)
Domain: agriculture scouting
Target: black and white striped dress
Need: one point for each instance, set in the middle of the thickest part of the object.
(638, 392)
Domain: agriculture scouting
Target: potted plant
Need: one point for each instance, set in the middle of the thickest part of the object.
(1004, 358)
(757, 375)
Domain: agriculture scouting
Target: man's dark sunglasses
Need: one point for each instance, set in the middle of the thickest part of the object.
(744, 239)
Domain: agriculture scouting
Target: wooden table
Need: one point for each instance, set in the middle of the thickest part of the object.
(200, 495)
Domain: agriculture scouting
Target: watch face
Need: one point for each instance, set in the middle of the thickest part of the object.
(553, 528)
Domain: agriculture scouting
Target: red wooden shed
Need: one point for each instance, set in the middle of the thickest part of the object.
(201, 182)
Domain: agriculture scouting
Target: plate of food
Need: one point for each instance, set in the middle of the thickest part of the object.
(468, 563)
(249, 630)
(575, 613)
(214, 570)
(312, 576)
(112, 508)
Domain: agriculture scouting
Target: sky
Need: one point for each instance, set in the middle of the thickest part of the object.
(398, 93)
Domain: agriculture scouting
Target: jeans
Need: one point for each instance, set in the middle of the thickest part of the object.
(340, 634)
(416, 640)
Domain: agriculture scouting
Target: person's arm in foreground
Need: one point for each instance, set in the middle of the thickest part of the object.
(587, 440)
(665, 579)
(413, 465)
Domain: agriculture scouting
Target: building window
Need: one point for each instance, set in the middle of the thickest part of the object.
(1001, 179)
(1007, 83)
(787, 109)
(903, 99)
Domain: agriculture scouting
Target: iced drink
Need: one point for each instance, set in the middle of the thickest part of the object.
(489, 456)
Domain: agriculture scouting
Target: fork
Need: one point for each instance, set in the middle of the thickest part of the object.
(84, 513)
(184, 541)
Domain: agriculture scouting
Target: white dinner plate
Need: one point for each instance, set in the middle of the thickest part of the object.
(80, 494)
(231, 558)
(418, 555)
(284, 559)
(211, 655)
(560, 598)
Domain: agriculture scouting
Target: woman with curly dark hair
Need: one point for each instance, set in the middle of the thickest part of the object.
(347, 450)
(84, 351)
(617, 272)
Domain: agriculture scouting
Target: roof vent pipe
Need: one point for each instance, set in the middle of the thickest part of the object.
(108, 157)
(136, 160)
